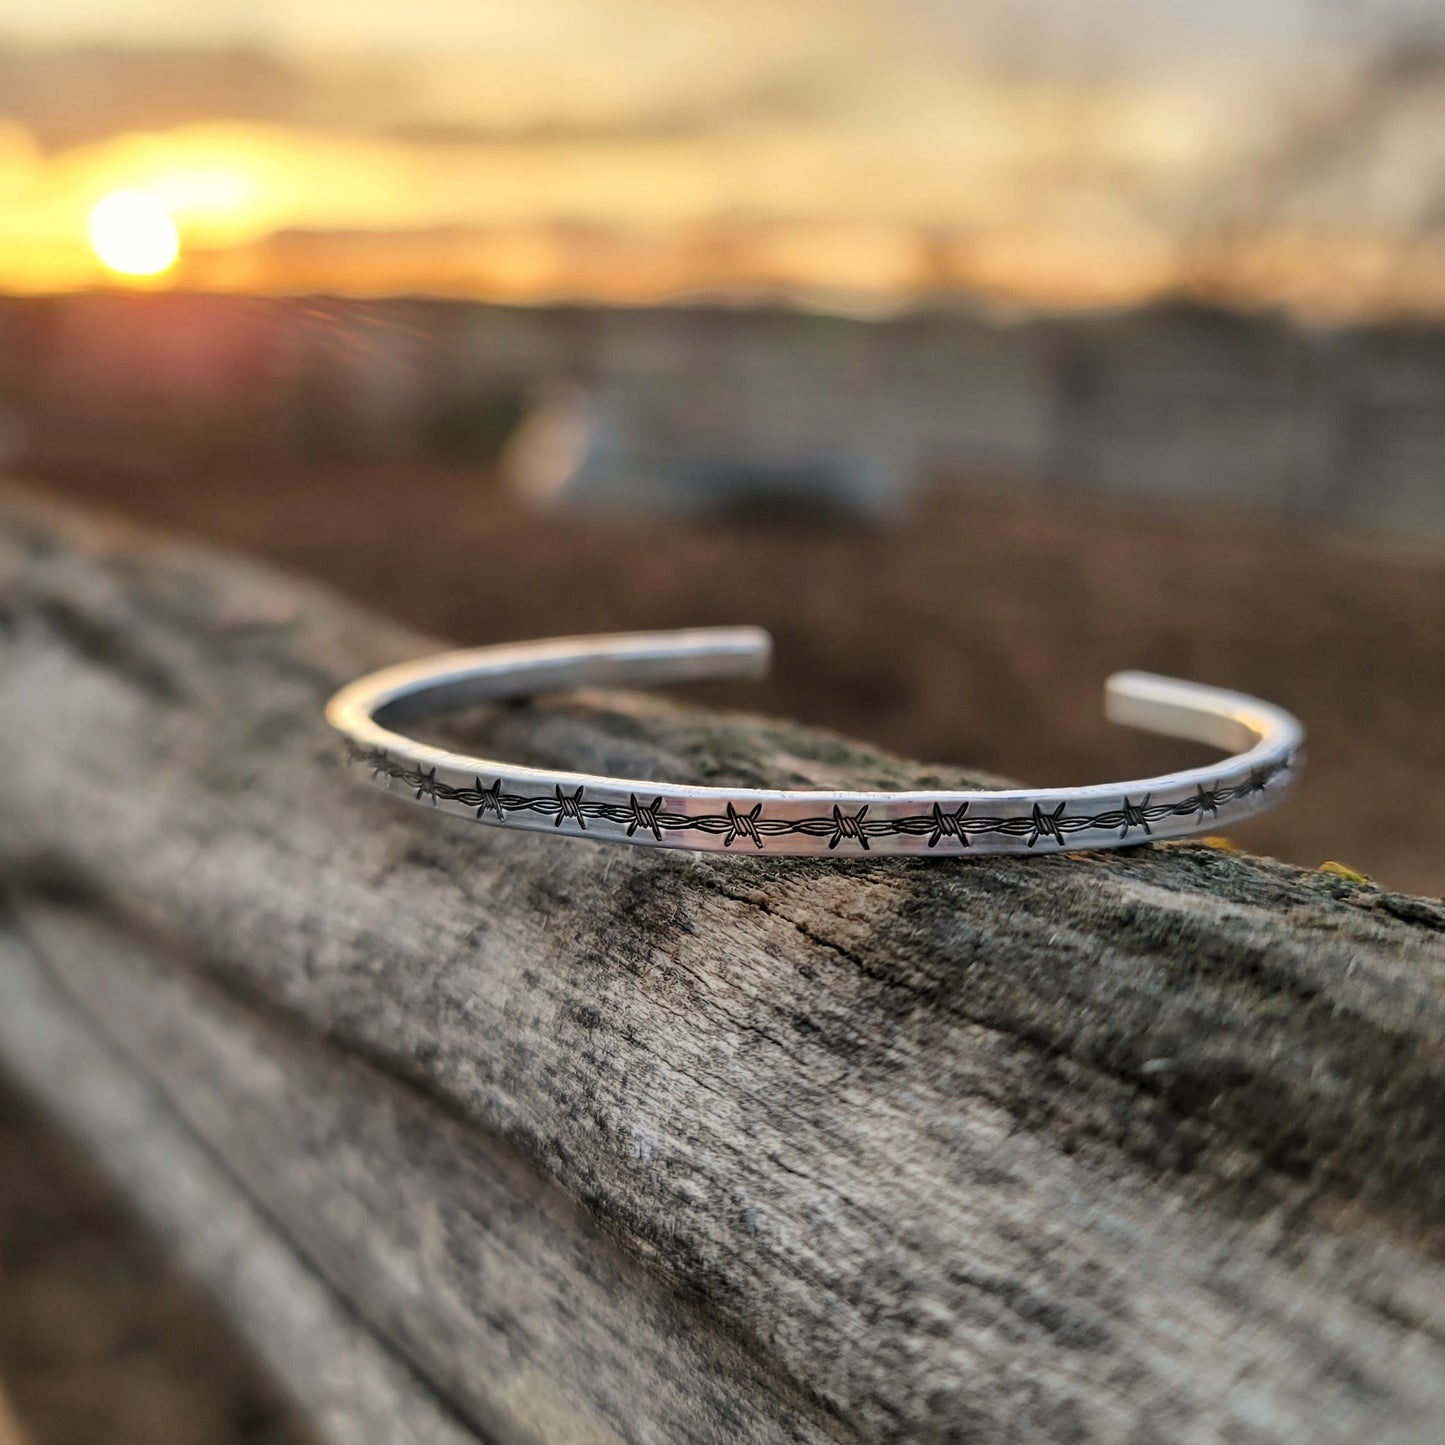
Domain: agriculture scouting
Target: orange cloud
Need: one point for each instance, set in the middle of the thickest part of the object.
(863, 181)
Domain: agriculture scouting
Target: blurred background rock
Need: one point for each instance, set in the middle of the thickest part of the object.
(975, 348)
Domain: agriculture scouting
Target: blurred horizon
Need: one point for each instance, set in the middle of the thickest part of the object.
(1280, 153)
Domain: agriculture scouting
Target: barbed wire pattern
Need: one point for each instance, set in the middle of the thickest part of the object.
(936, 826)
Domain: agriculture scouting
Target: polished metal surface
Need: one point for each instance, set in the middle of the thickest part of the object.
(1264, 743)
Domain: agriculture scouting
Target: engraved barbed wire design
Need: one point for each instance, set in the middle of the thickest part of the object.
(820, 822)
(1042, 823)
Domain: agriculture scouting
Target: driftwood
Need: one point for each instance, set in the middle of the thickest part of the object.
(490, 1136)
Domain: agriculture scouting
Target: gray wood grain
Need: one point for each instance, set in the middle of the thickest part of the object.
(350, 1384)
(620, 1145)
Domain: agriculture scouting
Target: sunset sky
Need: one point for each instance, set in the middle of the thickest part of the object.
(1048, 151)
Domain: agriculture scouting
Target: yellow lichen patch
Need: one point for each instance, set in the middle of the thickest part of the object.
(1343, 870)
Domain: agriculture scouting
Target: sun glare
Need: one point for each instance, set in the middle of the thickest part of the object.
(133, 234)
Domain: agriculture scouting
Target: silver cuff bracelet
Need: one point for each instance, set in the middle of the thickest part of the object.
(1264, 742)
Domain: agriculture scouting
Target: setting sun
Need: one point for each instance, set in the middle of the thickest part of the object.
(133, 234)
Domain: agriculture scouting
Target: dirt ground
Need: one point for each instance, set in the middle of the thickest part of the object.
(972, 631)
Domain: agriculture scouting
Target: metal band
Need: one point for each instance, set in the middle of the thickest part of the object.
(1264, 741)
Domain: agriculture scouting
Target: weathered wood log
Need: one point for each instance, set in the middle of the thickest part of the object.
(351, 1384)
(480, 1135)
